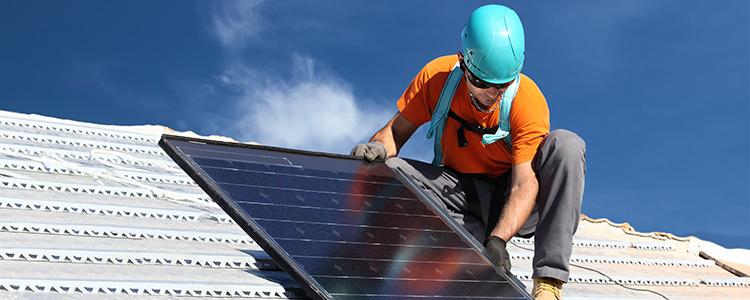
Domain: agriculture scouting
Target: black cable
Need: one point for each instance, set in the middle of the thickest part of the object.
(602, 273)
(620, 284)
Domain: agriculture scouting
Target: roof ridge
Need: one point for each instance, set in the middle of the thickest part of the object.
(630, 230)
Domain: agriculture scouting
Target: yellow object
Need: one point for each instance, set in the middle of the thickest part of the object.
(547, 289)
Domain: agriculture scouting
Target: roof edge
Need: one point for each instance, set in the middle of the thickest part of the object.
(735, 261)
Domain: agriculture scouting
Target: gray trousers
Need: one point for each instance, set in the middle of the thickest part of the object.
(476, 201)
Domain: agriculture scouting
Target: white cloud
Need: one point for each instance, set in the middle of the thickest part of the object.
(236, 22)
(312, 110)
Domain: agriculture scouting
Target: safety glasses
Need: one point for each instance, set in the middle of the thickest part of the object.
(479, 83)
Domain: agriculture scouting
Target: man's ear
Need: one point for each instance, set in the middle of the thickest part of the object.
(461, 60)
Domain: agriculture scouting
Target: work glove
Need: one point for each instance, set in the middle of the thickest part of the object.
(494, 247)
(370, 151)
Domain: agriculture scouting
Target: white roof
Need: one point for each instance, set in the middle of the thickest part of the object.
(90, 210)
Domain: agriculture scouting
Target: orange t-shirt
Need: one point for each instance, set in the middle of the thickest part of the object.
(529, 121)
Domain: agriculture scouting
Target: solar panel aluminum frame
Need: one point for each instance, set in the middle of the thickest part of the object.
(311, 287)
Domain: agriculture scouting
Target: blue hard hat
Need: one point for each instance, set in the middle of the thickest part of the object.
(493, 43)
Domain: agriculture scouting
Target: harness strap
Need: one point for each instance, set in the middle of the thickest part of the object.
(503, 132)
(462, 142)
(441, 112)
(489, 135)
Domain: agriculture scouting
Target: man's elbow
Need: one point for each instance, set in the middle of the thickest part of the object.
(526, 185)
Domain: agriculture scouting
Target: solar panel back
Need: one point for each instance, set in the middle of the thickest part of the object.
(343, 228)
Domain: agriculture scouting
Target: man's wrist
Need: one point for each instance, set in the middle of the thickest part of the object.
(388, 153)
(501, 235)
(495, 239)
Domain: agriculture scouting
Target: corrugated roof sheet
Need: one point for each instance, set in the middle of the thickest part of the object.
(92, 211)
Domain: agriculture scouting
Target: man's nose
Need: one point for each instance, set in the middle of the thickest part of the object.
(494, 92)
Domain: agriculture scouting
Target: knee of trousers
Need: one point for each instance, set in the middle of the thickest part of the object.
(566, 145)
(394, 162)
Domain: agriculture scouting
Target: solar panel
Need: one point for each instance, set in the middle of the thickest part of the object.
(343, 228)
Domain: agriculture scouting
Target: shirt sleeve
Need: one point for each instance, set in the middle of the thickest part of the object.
(416, 104)
(529, 121)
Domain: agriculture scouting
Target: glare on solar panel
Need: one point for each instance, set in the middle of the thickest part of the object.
(343, 228)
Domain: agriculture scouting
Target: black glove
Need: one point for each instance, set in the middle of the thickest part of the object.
(494, 247)
(370, 151)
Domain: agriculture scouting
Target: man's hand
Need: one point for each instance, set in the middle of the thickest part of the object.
(370, 151)
(495, 249)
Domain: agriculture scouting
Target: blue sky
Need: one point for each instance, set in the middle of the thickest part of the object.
(660, 90)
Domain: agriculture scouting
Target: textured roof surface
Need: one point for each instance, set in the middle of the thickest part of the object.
(88, 211)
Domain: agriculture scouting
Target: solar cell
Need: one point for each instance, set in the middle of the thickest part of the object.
(343, 228)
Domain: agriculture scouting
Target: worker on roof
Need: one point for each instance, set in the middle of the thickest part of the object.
(498, 170)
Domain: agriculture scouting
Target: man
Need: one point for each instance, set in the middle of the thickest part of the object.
(498, 170)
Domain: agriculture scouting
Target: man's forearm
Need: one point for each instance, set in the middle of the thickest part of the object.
(517, 209)
(394, 134)
(385, 137)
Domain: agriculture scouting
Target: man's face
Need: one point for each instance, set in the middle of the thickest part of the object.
(486, 96)
(484, 93)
